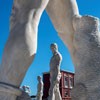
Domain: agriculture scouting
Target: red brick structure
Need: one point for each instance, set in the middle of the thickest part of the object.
(66, 84)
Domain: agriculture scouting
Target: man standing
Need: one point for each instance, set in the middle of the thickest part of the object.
(39, 88)
(55, 75)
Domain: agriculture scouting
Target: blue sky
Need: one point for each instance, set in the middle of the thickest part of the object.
(46, 36)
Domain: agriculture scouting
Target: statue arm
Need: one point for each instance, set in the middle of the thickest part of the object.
(58, 74)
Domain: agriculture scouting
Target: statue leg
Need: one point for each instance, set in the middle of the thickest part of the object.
(85, 57)
(81, 36)
(86, 42)
(51, 92)
(52, 96)
(21, 46)
(39, 97)
(57, 94)
(61, 13)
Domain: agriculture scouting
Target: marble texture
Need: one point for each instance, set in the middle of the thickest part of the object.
(87, 59)
(21, 46)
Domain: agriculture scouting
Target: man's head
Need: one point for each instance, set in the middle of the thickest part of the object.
(54, 47)
(39, 78)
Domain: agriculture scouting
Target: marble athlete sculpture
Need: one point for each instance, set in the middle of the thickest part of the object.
(79, 33)
(55, 75)
(39, 88)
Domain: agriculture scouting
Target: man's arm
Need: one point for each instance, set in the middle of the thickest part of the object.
(58, 62)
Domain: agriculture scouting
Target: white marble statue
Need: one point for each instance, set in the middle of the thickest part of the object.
(21, 46)
(79, 33)
(26, 89)
(39, 88)
(55, 75)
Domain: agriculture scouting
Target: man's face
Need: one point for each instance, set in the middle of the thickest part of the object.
(39, 78)
(53, 49)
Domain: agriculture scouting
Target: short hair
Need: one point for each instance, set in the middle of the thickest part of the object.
(39, 77)
(54, 45)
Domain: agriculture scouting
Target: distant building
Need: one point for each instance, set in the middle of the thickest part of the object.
(66, 84)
